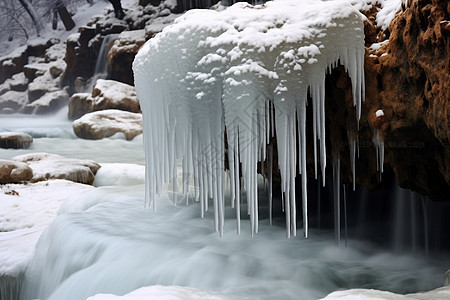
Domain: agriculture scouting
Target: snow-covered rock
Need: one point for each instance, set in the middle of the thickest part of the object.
(122, 53)
(16, 140)
(106, 123)
(366, 294)
(18, 82)
(13, 101)
(165, 293)
(14, 171)
(34, 70)
(47, 166)
(42, 85)
(113, 93)
(158, 24)
(106, 94)
(48, 103)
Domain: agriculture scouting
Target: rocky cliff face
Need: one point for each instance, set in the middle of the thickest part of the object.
(407, 68)
(408, 78)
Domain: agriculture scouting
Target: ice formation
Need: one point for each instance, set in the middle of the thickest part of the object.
(216, 86)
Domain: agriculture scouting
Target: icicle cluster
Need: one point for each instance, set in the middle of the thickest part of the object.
(239, 77)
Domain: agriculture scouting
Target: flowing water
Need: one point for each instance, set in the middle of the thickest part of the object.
(109, 243)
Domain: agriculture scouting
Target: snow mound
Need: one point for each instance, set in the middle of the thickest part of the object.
(119, 174)
(246, 69)
(365, 294)
(164, 293)
(25, 212)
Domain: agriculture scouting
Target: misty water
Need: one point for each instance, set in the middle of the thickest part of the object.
(104, 241)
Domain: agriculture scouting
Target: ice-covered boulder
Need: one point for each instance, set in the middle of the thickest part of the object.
(106, 94)
(106, 123)
(14, 172)
(16, 140)
(52, 166)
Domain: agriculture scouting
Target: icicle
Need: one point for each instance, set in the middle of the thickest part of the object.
(352, 146)
(201, 76)
(337, 201)
(344, 188)
(379, 148)
(270, 146)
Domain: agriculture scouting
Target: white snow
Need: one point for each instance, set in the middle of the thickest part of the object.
(366, 294)
(165, 293)
(387, 12)
(25, 212)
(215, 70)
(119, 174)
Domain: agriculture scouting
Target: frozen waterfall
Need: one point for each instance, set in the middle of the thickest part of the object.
(216, 86)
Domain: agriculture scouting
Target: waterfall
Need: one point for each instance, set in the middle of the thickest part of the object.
(101, 66)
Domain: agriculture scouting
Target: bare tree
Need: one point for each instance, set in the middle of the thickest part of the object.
(29, 8)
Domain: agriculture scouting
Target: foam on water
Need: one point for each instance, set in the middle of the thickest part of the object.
(106, 242)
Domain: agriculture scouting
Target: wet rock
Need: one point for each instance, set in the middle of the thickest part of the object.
(106, 94)
(106, 123)
(14, 172)
(15, 140)
(52, 166)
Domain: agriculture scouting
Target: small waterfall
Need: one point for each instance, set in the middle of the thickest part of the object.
(10, 287)
(337, 196)
(101, 66)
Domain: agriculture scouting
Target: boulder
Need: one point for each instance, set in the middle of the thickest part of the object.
(52, 166)
(14, 172)
(15, 140)
(50, 102)
(122, 53)
(34, 70)
(106, 94)
(106, 123)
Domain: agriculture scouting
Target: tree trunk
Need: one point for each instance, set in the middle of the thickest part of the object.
(33, 15)
(66, 18)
